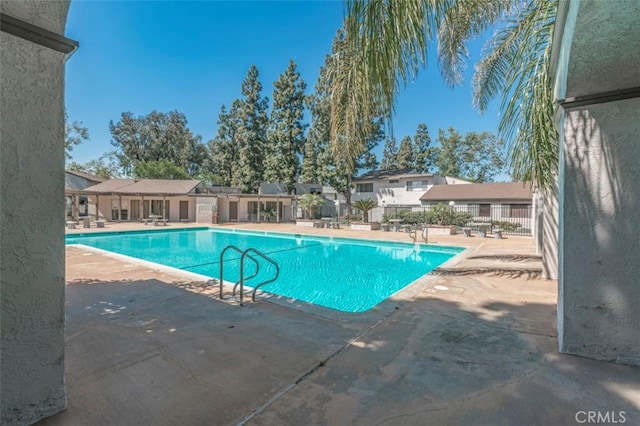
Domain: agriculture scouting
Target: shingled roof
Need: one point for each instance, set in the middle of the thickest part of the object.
(479, 191)
(145, 186)
(391, 173)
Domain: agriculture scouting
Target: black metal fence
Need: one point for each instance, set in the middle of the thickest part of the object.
(512, 219)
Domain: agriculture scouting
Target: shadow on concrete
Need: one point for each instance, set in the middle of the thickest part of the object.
(154, 352)
(494, 271)
(438, 362)
(151, 352)
(509, 257)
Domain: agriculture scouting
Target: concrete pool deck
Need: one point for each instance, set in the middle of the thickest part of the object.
(474, 344)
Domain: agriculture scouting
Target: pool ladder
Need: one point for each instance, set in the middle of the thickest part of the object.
(248, 255)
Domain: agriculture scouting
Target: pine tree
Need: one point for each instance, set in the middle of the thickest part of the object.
(425, 154)
(318, 162)
(389, 153)
(223, 148)
(309, 170)
(252, 134)
(286, 129)
(406, 157)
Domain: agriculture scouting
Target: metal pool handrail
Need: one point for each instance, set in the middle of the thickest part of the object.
(232, 247)
(255, 288)
(244, 254)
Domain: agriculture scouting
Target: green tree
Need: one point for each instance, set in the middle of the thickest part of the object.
(310, 203)
(286, 128)
(252, 133)
(162, 169)
(364, 206)
(406, 156)
(156, 137)
(392, 39)
(425, 155)
(223, 149)
(474, 156)
(309, 172)
(317, 159)
(389, 155)
(74, 134)
(355, 116)
(106, 166)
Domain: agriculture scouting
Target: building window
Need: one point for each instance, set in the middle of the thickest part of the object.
(484, 210)
(156, 207)
(393, 181)
(417, 185)
(364, 187)
(315, 191)
(519, 210)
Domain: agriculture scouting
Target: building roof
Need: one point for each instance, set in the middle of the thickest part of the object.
(267, 188)
(479, 192)
(78, 180)
(391, 173)
(145, 186)
(87, 176)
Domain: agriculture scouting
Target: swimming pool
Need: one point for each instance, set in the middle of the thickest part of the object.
(348, 275)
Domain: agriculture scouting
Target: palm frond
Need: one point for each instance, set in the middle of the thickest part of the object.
(516, 67)
(462, 21)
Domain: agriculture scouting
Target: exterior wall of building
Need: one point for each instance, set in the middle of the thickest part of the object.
(547, 231)
(387, 192)
(32, 243)
(599, 228)
(599, 195)
(243, 208)
(106, 202)
(207, 210)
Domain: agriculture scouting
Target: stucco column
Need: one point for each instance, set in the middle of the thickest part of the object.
(32, 208)
(599, 228)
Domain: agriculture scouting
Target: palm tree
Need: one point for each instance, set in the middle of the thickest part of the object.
(353, 110)
(392, 38)
(310, 202)
(365, 205)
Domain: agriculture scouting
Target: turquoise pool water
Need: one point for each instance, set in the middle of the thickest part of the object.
(348, 275)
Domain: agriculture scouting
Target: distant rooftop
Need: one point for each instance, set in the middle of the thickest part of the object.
(145, 186)
(385, 174)
(479, 191)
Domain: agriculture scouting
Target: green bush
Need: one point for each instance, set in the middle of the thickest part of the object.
(506, 226)
(438, 215)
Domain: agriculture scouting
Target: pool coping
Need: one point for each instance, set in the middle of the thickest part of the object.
(381, 310)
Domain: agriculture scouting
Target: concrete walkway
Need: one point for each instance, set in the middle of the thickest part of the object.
(475, 343)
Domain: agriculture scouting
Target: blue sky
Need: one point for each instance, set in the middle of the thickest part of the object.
(142, 56)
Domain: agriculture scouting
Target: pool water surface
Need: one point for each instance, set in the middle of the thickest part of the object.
(348, 275)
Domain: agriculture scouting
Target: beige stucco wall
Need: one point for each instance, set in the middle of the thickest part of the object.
(600, 225)
(547, 229)
(32, 243)
(599, 195)
(104, 205)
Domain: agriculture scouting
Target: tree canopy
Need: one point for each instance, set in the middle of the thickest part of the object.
(285, 137)
(74, 134)
(157, 137)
